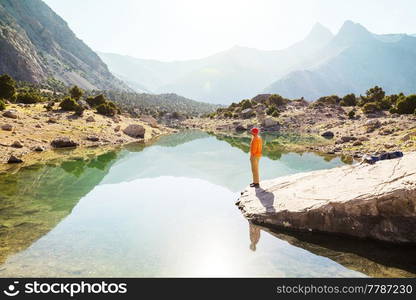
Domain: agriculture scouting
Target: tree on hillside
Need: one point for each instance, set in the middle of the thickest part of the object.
(76, 93)
(97, 100)
(407, 105)
(277, 100)
(7, 87)
(328, 100)
(246, 104)
(375, 95)
(349, 100)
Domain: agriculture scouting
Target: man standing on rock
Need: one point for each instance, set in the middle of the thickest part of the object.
(255, 154)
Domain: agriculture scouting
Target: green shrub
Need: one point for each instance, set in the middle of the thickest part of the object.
(29, 98)
(385, 104)
(68, 104)
(275, 114)
(407, 105)
(107, 109)
(271, 110)
(2, 104)
(371, 107)
(351, 114)
(373, 95)
(328, 100)
(96, 101)
(393, 110)
(392, 99)
(79, 110)
(76, 93)
(7, 87)
(246, 104)
(228, 114)
(277, 100)
(349, 100)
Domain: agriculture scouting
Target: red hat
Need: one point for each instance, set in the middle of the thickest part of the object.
(255, 131)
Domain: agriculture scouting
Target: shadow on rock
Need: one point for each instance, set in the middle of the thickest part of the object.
(266, 198)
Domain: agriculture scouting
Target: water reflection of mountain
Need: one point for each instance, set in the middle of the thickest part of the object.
(35, 199)
(371, 258)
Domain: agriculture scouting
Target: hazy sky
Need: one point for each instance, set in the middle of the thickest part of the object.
(184, 29)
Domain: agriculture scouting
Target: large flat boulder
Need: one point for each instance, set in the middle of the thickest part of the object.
(366, 201)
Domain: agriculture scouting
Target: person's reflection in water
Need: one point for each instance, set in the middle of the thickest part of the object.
(254, 235)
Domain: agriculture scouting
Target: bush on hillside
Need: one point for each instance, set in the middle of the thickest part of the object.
(277, 100)
(29, 98)
(348, 100)
(393, 110)
(407, 105)
(96, 101)
(385, 104)
(393, 99)
(328, 100)
(76, 93)
(2, 105)
(69, 104)
(371, 107)
(7, 87)
(271, 110)
(108, 109)
(228, 114)
(246, 104)
(79, 110)
(351, 114)
(275, 114)
(373, 95)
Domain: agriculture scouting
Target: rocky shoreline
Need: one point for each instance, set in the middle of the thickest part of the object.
(26, 131)
(365, 201)
(353, 137)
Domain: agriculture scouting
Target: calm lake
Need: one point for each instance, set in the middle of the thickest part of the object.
(167, 209)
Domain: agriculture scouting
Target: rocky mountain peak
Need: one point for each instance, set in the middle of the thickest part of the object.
(351, 32)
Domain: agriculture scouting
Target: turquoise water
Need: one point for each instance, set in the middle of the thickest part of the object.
(161, 210)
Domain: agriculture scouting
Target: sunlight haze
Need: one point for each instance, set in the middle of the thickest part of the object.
(186, 29)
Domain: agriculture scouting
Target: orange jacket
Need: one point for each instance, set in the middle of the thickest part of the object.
(256, 146)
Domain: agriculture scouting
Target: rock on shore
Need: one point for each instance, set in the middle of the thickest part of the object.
(366, 201)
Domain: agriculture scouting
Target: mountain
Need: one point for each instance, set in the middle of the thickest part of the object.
(228, 76)
(155, 104)
(353, 61)
(37, 45)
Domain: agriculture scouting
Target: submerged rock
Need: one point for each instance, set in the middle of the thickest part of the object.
(366, 201)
